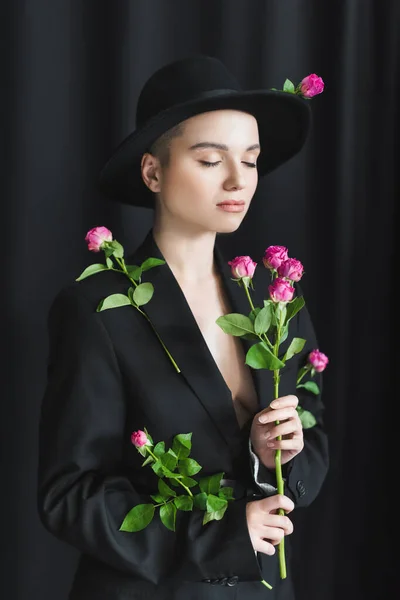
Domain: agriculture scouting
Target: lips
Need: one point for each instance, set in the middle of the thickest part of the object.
(231, 203)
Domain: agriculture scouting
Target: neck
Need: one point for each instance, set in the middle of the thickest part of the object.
(189, 255)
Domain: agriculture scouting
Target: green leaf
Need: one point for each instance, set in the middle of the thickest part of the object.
(113, 301)
(307, 419)
(200, 500)
(263, 320)
(148, 436)
(182, 445)
(159, 449)
(259, 356)
(211, 483)
(235, 324)
(148, 460)
(280, 313)
(117, 249)
(91, 270)
(253, 313)
(284, 333)
(134, 271)
(226, 492)
(157, 498)
(168, 515)
(109, 262)
(143, 293)
(149, 263)
(310, 386)
(169, 460)
(288, 86)
(214, 516)
(188, 481)
(185, 439)
(165, 490)
(138, 518)
(296, 346)
(293, 307)
(214, 503)
(183, 502)
(189, 467)
(158, 468)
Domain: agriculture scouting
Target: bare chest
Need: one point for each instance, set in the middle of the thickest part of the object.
(206, 306)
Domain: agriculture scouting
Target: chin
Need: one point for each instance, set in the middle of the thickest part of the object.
(228, 227)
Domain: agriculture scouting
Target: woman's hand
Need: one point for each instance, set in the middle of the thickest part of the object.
(266, 528)
(263, 434)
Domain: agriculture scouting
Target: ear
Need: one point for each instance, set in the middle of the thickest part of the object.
(151, 172)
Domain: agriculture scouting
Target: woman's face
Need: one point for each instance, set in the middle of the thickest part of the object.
(213, 161)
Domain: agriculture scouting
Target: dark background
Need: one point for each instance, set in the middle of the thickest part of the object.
(71, 74)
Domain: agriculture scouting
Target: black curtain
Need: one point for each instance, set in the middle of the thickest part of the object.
(71, 74)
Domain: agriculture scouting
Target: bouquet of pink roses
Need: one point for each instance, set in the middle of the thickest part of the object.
(268, 326)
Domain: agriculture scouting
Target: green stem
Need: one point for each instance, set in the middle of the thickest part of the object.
(248, 297)
(266, 584)
(302, 373)
(121, 263)
(278, 464)
(180, 482)
(263, 336)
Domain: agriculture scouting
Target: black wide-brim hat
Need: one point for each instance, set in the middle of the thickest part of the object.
(194, 85)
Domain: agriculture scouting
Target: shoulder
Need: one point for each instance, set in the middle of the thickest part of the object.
(80, 297)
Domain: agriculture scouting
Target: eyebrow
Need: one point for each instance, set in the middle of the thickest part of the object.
(220, 146)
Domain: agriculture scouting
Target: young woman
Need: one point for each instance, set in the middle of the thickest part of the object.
(200, 145)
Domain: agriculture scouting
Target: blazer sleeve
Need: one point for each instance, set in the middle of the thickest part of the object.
(84, 491)
(306, 472)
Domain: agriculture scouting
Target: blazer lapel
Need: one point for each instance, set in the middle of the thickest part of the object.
(172, 318)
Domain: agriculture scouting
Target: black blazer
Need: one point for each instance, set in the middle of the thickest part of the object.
(108, 375)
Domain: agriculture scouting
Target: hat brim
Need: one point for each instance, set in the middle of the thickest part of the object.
(283, 119)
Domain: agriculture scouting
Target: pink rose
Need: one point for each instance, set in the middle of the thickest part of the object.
(96, 238)
(318, 360)
(281, 290)
(274, 256)
(311, 86)
(291, 268)
(139, 439)
(242, 266)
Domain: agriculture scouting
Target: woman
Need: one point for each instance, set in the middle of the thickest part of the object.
(195, 157)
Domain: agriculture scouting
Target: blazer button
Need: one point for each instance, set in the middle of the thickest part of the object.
(301, 488)
(232, 580)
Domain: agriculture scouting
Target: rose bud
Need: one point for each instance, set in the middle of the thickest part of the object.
(291, 269)
(281, 290)
(139, 439)
(242, 266)
(274, 256)
(311, 85)
(96, 237)
(318, 360)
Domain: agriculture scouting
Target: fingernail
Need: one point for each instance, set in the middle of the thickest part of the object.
(262, 419)
(274, 404)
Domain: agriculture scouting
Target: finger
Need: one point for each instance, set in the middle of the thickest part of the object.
(275, 502)
(279, 414)
(292, 444)
(265, 547)
(280, 521)
(273, 534)
(282, 402)
(285, 401)
(286, 428)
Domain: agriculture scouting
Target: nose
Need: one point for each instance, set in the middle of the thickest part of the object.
(235, 179)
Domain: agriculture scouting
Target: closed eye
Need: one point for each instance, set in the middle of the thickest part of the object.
(214, 164)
